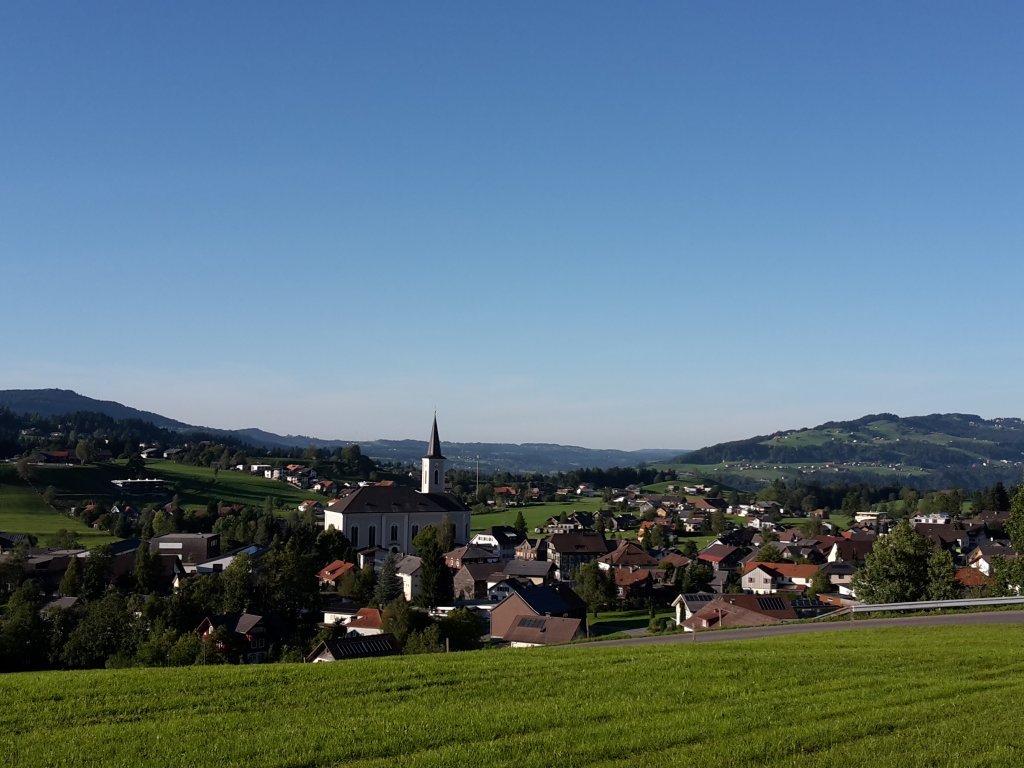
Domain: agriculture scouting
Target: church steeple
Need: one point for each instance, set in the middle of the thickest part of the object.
(433, 464)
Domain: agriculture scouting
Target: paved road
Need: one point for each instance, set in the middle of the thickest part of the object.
(842, 625)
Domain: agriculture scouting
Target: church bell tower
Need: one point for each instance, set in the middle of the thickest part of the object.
(433, 464)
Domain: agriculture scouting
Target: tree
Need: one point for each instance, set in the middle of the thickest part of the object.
(136, 466)
(23, 634)
(696, 577)
(719, 522)
(1015, 522)
(595, 587)
(520, 525)
(147, 569)
(363, 587)
(654, 537)
(396, 619)
(103, 634)
(897, 568)
(389, 585)
(84, 451)
(769, 553)
(821, 584)
(25, 468)
(942, 583)
(96, 572)
(237, 585)
(435, 579)
(49, 495)
(463, 629)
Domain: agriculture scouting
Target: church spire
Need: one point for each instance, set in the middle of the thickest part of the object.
(434, 446)
(433, 464)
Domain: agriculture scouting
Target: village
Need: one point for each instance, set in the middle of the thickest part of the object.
(405, 570)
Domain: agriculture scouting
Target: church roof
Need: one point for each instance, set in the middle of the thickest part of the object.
(378, 500)
(434, 447)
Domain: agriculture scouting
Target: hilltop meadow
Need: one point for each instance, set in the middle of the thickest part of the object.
(889, 697)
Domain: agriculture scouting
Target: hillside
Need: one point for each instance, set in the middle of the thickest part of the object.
(878, 698)
(493, 457)
(954, 449)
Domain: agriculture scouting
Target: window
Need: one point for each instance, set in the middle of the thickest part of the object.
(435, 477)
(354, 535)
(394, 533)
(373, 536)
(415, 530)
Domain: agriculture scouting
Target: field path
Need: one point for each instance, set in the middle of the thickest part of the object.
(752, 633)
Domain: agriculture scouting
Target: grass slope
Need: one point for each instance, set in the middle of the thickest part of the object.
(888, 697)
(22, 510)
(536, 515)
(196, 486)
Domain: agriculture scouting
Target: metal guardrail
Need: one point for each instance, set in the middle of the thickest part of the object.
(929, 605)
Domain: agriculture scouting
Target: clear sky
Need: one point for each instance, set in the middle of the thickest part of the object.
(658, 224)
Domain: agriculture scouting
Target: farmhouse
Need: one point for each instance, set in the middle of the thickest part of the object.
(391, 516)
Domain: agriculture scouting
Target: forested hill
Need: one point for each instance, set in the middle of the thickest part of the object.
(938, 441)
(507, 457)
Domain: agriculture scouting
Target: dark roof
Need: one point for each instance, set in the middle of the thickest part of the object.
(555, 599)
(377, 499)
(585, 542)
(528, 568)
(480, 571)
(434, 446)
(357, 647)
(241, 623)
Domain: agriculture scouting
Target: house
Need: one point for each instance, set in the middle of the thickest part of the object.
(688, 604)
(499, 539)
(332, 573)
(470, 583)
(392, 516)
(628, 554)
(354, 648)
(192, 548)
(633, 583)
(534, 571)
(568, 551)
(768, 578)
(367, 621)
(852, 551)
(555, 600)
(245, 635)
(9, 541)
(721, 557)
(326, 487)
(408, 570)
(464, 555)
(972, 578)
(983, 557)
(219, 563)
(532, 549)
(741, 611)
(311, 505)
(533, 631)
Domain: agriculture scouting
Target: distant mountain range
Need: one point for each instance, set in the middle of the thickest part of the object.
(527, 457)
(956, 449)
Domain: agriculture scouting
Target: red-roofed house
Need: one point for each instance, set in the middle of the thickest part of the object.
(367, 621)
(330, 574)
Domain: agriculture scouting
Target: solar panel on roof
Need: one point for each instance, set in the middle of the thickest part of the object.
(771, 603)
(531, 622)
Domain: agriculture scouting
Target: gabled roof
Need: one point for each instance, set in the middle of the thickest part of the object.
(972, 577)
(786, 570)
(367, 618)
(578, 542)
(480, 571)
(542, 630)
(375, 499)
(554, 599)
(408, 565)
(716, 553)
(528, 568)
(628, 553)
(335, 570)
(356, 647)
(628, 578)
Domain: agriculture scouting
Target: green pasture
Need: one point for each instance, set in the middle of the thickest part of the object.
(881, 698)
(22, 510)
(197, 486)
(536, 515)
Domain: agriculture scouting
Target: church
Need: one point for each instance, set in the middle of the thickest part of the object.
(390, 517)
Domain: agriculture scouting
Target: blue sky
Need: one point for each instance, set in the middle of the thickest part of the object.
(603, 224)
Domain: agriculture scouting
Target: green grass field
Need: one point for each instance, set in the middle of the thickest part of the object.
(535, 515)
(872, 698)
(22, 510)
(198, 485)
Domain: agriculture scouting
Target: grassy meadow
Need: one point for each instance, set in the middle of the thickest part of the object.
(536, 515)
(878, 698)
(22, 510)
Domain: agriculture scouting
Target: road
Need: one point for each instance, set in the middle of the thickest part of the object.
(751, 633)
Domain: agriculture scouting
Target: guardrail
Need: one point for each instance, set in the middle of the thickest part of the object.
(930, 605)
